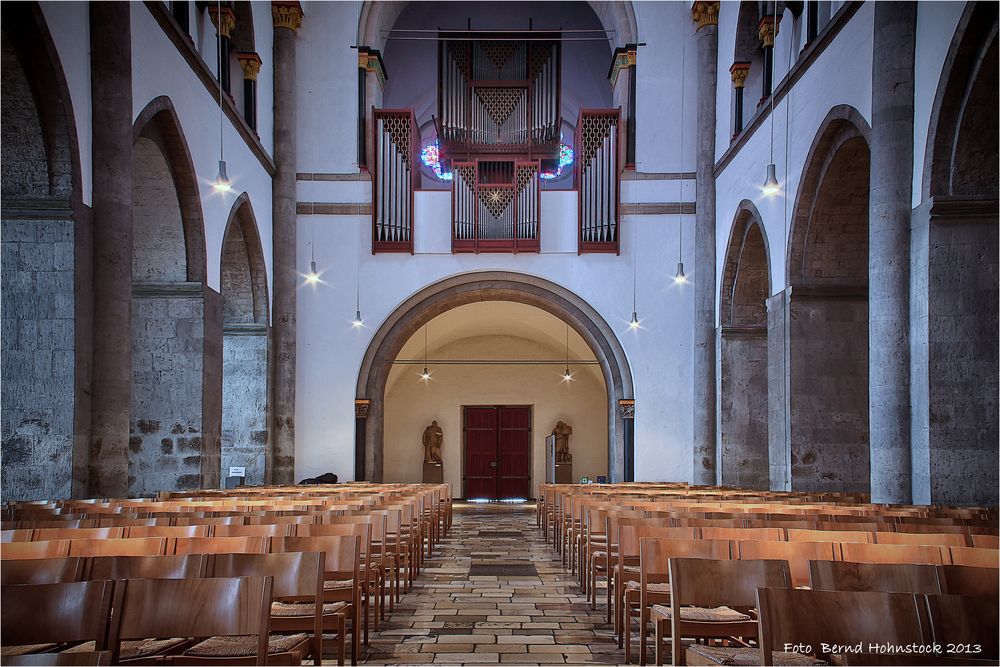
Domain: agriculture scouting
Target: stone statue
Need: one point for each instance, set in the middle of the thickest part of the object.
(562, 431)
(432, 439)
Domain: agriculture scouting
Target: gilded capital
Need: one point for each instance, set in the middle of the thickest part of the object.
(223, 19)
(739, 72)
(623, 58)
(370, 60)
(705, 14)
(767, 29)
(626, 407)
(362, 406)
(250, 62)
(287, 14)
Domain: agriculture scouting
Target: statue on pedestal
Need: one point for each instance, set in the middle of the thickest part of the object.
(562, 431)
(432, 439)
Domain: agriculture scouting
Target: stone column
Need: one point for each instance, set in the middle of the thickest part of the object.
(361, 408)
(739, 72)
(250, 63)
(706, 14)
(626, 408)
(281, 464)
(623, 87)
(889, 252)
(111, 100)
(767, 30)
(224, 20)
(371, 81)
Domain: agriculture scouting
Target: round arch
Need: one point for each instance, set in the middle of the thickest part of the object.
(458, 290)
(241, 216)
(376, 17)
(746, 222)
(158, 122)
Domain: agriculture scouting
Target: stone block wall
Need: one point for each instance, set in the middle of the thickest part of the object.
(743, 409)
(38, 354)
(244, 403)
(778, 448)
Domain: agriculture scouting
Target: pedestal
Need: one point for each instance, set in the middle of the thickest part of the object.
(433, 473)
(564, 473)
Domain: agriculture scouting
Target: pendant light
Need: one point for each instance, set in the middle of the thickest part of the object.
(357, 322)
(425, 376)
(634, 322)
(679, 277)
(771, 185)
(567, 376)
(313, 276)
(221, 183)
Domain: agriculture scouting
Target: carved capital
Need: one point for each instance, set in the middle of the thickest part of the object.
(223, 19)
(287, 14)
(626, 408)
(705, 14)
(361, 408)
(623, 58)
(739, 72)
(250, 62)
(370, 60)
(767, 30)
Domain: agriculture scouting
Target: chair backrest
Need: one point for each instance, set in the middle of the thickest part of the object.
(138, 546)
(798, 555)
(253, 530)
(34, 550)
(65, 612)
(192, 608)
(655, 553)
(78, 533)
(702, 582)
(221, 545)
(16, 535)
(189, 519)
(296, 575)
(985, 541)
(963, 620)
(891, 553)
(166, 531)
(858, 536)
(815, 618)
(148, 567)
(765, 534)
(881, 577)
(343, 552)
(42, 571)
(975, 557)
(965, 580)
(928, 539)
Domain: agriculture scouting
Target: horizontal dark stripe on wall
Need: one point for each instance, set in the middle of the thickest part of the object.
(663, 208)
(332, 208)
(630, 175)
(307, 176)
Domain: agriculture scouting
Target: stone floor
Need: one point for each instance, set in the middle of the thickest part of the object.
(494, 593)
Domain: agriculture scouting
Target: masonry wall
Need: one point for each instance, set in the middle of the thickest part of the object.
(743, 410)
(244, 404)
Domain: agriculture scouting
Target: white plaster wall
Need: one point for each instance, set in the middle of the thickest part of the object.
(411, 404)
(840, 75)
(159, 69)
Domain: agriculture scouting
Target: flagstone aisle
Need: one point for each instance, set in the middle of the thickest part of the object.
(466, 609)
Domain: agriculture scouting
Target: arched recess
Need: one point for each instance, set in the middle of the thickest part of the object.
(458, 290)
(244, 345)
(45, 350)
(743, 350)
(954, 378)
(176, 319)
(818, 359)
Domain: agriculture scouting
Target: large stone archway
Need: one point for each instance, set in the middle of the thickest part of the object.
(459, 290)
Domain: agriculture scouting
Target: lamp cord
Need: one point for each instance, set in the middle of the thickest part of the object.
(218, 43)
(680, 181)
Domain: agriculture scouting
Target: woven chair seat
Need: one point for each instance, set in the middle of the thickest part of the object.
(703, 614)
(632, 569)
(25, 649)
(663, 587)
(133, 648)
(235, 646)
(337, 584)
(296, 609)
(749, 656)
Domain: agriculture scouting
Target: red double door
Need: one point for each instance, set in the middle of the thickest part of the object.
(498, 452)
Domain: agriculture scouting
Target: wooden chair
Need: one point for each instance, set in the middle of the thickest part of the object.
(891, 553)
(654, 556)
(880, 577)
(42, 571)
(139, 546)
(298, 586)
(16, 535)
(148, 567)
(221, 545)
(737, 534)
(985, 541)
(974, 557)
(856, 536)
(166, 531)
(253, 530)
(191, 519)
(342, 579)
(964, 580)
(926, 539)
(39, 617)
(964, 620)
(88, 658)
(798, 555)
(113, 533)
(34, 550)
(815, 618)
(713, 599)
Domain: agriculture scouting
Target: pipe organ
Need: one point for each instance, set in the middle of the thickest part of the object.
(597, 179)
(395, 174)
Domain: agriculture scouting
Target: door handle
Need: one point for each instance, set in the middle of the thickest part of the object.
(493, 464)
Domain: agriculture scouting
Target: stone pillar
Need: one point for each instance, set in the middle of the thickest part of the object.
(626, 407)
(250, 63)
(371, 81)
(739, 72)
(889, 252)
(361, 408)
(224, 20)
(623, 86)
(281, 464)
(767, 30)
(111, 100)
(706, 14)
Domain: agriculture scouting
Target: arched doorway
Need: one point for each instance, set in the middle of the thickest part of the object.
(746, 284)
(459, 290)
(244, 346)
(954, 376)
(822, 319)
(45, 352)
(176, 319)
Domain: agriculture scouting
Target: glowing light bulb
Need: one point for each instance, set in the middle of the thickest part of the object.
(357, 322)
(221, 183)
(679, 277)
(634, 323)
(313, 276)
(567, 376)
(771, 186)
(425, 376)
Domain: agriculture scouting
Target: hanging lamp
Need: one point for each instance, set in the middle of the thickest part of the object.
(357, 322)
(425, 376)
(567, 376)
(679, 277)
(771, 185)
(221, 183)
(313, 276)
